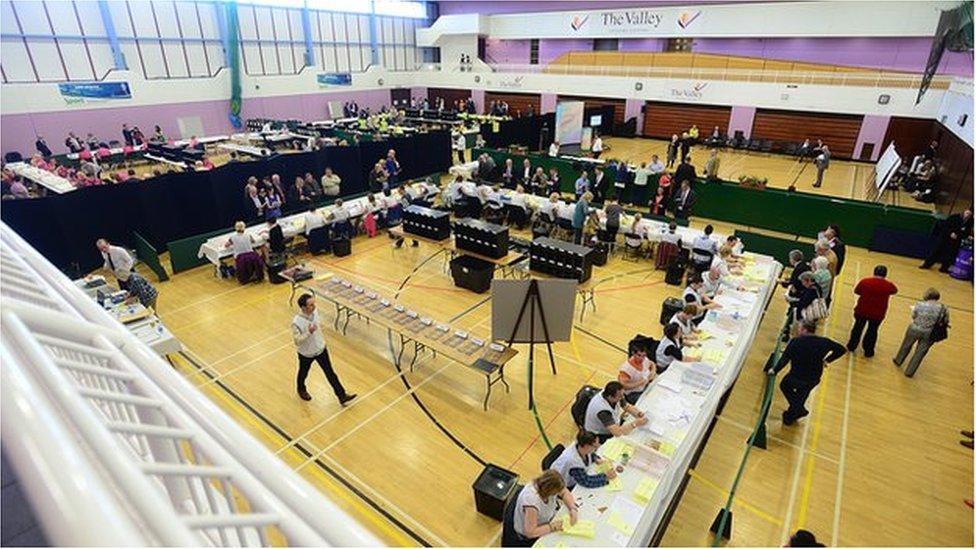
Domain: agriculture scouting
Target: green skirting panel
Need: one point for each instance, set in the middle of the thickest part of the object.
(777, 248)
(148, 255)
(183, 252)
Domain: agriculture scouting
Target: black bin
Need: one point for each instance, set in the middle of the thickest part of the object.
(276, 264)
(600, 252)
(670, 306)
(341, 247)
(492, 488)
(472, 273)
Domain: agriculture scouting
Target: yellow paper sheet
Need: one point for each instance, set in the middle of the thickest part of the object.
(604, 466)
(583, 528)
(618, 522)
(615, 485)
(645, 489)
(667, 448)
(714, 356)
(615, 448)
(704, 335)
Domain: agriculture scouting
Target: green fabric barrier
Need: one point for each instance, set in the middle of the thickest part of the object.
(183, 252)
(148, 255)
(777, 248)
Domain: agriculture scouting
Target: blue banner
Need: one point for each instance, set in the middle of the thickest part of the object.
(96, 90)
(334, 79)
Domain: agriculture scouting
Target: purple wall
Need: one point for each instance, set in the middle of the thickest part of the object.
(873, 129)
(478, 97)
(507, 52)
(547, 103)
(652, 45)
(740, 119)
(508, 6)
(632, 108)
(18, 130)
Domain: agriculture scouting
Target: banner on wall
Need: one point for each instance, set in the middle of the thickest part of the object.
(330, 79)
(81, 92)
(569, 122)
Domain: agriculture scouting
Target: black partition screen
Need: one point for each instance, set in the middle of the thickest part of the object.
(178, 205)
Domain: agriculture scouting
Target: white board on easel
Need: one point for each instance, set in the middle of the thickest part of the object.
(886, 167)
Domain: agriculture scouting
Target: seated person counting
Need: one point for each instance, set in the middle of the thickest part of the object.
(535, 510)
(603, 413)
(276, 237)
(575, 458)
(695, 294)
(636, 373)
(669, 349)
(685, 319)
(339, 216)
(725, 263)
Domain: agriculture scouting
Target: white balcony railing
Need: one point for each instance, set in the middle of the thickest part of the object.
(113, 447)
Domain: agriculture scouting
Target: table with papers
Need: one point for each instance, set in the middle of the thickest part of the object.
(50, 180)
(680, 405)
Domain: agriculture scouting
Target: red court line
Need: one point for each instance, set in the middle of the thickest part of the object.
(537, 435)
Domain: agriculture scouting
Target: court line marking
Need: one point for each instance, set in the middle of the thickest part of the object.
(350, 432)
(334, 415)
(195, 303)
(371, 515)
(245, 365)
(782, 441)
(769, 517)
(839, 492)
(379, 497)
(251, 346)
(801, 518)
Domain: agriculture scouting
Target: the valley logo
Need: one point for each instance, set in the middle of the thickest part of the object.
(578, 22)
(686, 18)
(695, 92)
(631, 18)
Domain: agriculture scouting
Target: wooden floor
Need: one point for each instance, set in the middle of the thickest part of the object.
(876, 463)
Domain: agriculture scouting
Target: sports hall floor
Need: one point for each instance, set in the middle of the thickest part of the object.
(876, 463)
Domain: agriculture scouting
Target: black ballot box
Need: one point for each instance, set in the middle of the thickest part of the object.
(480, 237)
(427, 222)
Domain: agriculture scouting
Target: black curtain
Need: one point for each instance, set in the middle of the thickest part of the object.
(178, 205)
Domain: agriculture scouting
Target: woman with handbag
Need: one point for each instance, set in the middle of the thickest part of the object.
(811, 305)
(930, 324)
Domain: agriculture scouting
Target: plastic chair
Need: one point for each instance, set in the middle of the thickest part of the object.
(552, 456)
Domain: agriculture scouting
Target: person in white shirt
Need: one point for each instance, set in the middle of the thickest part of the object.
(535, 510)
(597, 147)
(695, 294)
(703, 248)
(459, 146)
(117, 260)
(656, 166)
(685, 319)
(725, 263)
(310, 344)
(636, 373)
(669, 349)
(671, 235)
(313, 220)
(575, 458)
(603, 413)
(554, 149)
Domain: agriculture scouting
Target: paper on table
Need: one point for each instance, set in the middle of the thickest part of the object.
(583, 528)
(645, 489)
(671, 383)
(615, 485)
(615, 448)
(618, 522)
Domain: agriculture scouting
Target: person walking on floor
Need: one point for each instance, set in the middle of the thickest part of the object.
(872, 304)
(310, 344)
(821, 162)
(928, 316)
(807, 354)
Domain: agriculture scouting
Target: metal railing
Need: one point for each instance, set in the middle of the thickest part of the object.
(865, 78)
(113, 447)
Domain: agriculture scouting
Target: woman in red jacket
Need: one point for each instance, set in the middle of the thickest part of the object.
(872, 305)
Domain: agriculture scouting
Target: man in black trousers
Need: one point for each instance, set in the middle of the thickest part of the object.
(310, 345)
(951, 233)
(807, 354)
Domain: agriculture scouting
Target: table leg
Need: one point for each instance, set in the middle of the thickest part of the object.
(403, 346)
(291, 298)
(335, 323)
(488, 392)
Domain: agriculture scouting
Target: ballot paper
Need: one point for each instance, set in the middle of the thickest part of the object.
(617, 521)
(615, 485)
(583, 528)
(645, 489)
(615, 448)
(671, 383)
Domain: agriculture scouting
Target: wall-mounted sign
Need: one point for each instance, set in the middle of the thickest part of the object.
(694, 92)
(82, 92)
(329, 79)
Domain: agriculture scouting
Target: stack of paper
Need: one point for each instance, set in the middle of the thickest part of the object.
(583, 528)
(615, 448)
(645, 490)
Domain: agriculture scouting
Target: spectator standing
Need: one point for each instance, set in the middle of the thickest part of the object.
(330, 183)
(949, 237)
(926, 315)
(580, 213)
(582, 184)
(656, 166)
(807, 354)
(42, 147)
(127, 135)
(712, 165)
(821, 162)
(685, 171)
(638, 194)
(685, 201)
(872, 305)
(117, 260)
(673, 148)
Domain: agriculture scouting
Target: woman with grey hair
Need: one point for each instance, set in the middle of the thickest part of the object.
(925, 315)
(811, 292)
(821, 275)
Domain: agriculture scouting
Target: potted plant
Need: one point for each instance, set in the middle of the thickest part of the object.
(752, 181)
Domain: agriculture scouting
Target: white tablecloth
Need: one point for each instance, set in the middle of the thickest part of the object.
(52, 181)
(680, 405)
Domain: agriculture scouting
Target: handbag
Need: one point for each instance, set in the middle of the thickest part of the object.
(816, 310)
(940, 331)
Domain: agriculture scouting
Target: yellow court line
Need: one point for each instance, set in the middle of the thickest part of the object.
(801, 517)
(234, 409)
(768, 517)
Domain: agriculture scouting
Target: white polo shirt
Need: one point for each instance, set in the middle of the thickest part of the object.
(308, 344)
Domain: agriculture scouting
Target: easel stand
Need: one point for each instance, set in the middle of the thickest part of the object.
(532, 300)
